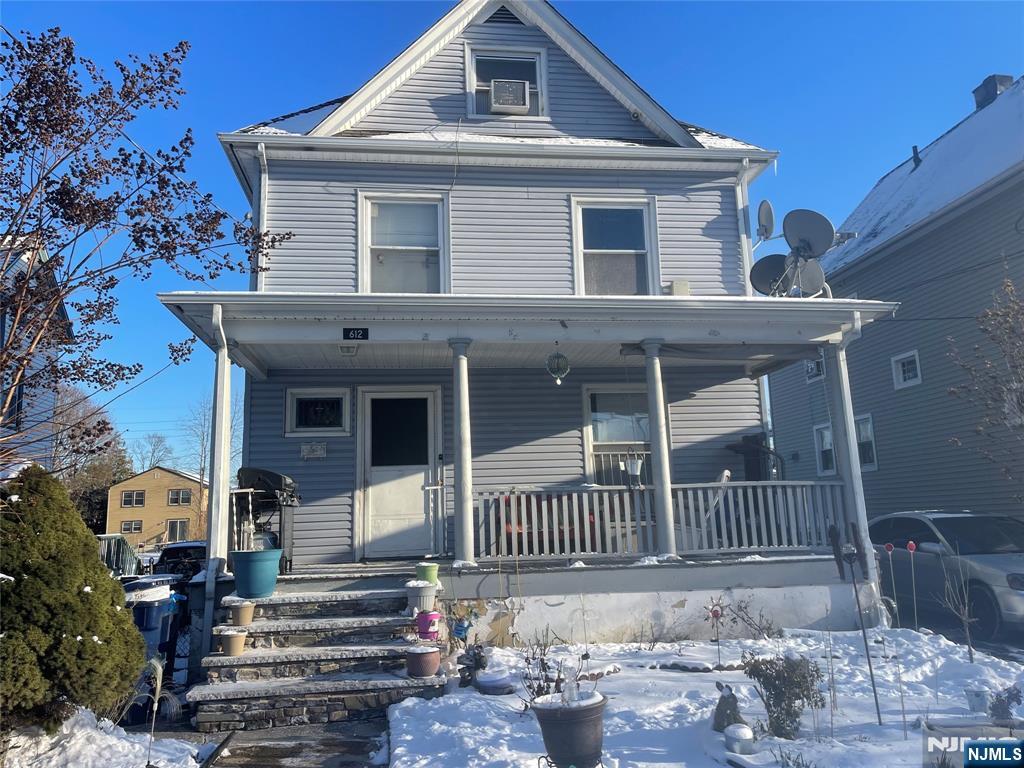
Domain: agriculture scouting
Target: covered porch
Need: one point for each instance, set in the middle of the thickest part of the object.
(521, 497)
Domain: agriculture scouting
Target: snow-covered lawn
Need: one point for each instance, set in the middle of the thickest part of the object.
(658, 716)
(82, 742)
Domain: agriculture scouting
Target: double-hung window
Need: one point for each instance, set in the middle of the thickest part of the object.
(619, 433)
(615, 247)
(133, 498)
(515, 68)
(131, 526)
(404, 250)
(179, 497)
(177, 530)
(825, 450)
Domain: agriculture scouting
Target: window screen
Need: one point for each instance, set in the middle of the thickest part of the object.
(405, 247)
(399, 432)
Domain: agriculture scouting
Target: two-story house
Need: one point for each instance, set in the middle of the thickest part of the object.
(158, 506)
(939, 234)
(514, 321)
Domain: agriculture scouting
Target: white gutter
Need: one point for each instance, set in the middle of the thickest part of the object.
(261, 211)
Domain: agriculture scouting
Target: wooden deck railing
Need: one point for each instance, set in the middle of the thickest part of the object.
(617, 520)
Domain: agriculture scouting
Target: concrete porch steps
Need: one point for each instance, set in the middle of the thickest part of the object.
(330, 630)
(302, 700)
(272, 663)
(320, 604)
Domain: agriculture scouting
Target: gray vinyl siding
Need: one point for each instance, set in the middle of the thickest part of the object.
(920, 466)
(435, 97)
(525, 431)
(510, 228)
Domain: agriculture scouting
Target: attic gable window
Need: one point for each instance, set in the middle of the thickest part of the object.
(515, 75)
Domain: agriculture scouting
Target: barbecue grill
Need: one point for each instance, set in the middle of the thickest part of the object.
(267, 500)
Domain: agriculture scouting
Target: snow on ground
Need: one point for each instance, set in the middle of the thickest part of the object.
(82, 742)
(658, 716)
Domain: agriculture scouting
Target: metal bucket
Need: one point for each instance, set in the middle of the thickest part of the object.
(573, 736)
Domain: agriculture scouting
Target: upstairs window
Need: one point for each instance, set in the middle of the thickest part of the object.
(906, 370)
(133, 498)
(815, 369)
(179, 497)
(405, 244)
(518, 75)
(613, 248)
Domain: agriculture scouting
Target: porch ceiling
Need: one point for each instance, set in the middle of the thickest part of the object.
(268, 331)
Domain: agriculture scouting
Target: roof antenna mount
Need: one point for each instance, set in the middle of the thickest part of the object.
(917, 157)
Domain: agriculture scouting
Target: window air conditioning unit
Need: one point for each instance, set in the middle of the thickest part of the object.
(510, 97)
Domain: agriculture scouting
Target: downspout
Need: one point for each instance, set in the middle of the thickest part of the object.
(214, 565)
(261, 210)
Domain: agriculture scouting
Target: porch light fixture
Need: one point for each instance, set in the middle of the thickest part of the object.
(557, 365)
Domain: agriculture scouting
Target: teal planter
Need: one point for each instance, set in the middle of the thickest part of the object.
(256, 572)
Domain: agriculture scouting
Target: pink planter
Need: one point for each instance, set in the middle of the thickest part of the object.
(428, 625)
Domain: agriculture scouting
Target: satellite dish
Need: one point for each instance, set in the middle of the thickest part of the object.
(768, 275)
(808, 279)
(765, 220)
(808, 233)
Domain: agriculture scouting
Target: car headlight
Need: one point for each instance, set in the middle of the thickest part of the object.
(1015, 580)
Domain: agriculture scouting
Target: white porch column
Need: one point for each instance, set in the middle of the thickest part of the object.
(220, 446)
(660, 449)
(844, 446)
(463, 452)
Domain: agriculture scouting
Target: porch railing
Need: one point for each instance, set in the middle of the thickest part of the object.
(619, 520)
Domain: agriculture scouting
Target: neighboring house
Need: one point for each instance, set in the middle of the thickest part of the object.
(28, 424)
(158, 506)
(500, 206)
(938, 234)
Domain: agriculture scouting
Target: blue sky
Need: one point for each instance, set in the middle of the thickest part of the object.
(843, 90)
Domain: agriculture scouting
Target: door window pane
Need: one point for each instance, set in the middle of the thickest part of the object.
(399, 432)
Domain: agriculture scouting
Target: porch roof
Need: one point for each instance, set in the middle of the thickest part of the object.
(307, 330)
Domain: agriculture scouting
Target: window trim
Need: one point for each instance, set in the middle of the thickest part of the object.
(587, 390)
(365, 198)
(874, 442)
(897, 375)
(291, 394)
(648, 204)
(133, 505)
(817, 450)
(167, 528)
(539, 53)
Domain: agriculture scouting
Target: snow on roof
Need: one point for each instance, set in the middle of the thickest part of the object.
(297, 123)
(713, 140)
(981, 147)
(471, 136)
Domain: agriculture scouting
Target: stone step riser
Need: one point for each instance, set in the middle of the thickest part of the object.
(330, 609)
(273, 670)
(276, 711)
(287, 586)
(333, 636)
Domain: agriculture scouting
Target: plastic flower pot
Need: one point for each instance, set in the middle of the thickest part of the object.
(241, 614)
(574, 732)
(428, 625)
(420, 595)
(426, 572)
(422, 661)
(256, 572)
(233, 643)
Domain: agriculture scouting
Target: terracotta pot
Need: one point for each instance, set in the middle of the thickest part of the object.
(423, 661)
(233, 644)
(241, 614)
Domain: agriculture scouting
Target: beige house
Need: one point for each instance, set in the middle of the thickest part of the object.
(158, 506)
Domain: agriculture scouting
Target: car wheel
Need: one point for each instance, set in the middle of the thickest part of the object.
(986, 618)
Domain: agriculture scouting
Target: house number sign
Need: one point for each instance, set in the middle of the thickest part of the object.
(313, 451)
(355, 334)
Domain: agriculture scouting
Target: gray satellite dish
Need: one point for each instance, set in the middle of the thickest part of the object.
(768, 275)
(808, 233)
(765, 220)
(807, 279)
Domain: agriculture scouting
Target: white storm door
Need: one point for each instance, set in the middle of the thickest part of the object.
(399, 463)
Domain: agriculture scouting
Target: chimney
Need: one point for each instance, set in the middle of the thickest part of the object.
(990, 87)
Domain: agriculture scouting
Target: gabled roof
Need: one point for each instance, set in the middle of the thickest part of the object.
(985, 147)
(341, 114)
(181, 473)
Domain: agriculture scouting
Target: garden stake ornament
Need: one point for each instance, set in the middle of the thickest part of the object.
(912, 548)
(892, 577)
(716, 609)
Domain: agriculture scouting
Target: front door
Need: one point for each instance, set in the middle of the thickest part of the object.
(399, 429)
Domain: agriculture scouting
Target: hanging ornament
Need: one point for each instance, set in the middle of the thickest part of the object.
(557, 365)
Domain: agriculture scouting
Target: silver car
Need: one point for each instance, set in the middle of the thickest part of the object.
(991, 550)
